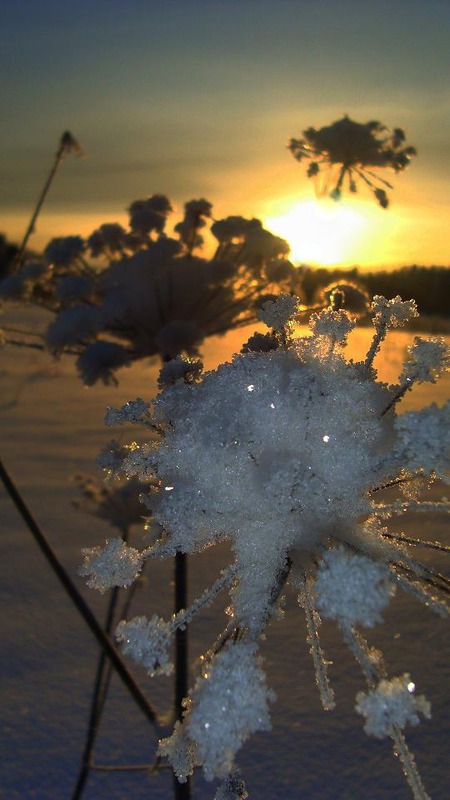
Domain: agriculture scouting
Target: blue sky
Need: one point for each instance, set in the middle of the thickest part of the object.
(196, 98)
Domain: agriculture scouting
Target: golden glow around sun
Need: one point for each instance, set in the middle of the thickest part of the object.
(322, 232)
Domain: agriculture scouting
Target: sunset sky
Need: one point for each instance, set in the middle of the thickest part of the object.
(198, 98)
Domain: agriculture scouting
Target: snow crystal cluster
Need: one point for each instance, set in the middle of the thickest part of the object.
(391, 703)
(115, 564)
(147, 641)
(228, 703)
(284, 452)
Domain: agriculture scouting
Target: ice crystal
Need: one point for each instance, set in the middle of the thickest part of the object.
(284, 452)
(180, 751)
(425, 437)
(352, 588)
(392, 313)
(134, 411)
(179, 368)
(427, 358)
(147, 641)
(335, 325)
(393, 702)
(114, 564)
(276, 313)
(228, 703)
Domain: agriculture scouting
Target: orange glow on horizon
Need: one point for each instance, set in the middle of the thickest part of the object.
(321, 232)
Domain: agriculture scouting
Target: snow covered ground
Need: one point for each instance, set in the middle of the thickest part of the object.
(51, 429)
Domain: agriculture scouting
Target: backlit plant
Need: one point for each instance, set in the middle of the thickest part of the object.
(123, 295)
(350, 150)
(285, 453)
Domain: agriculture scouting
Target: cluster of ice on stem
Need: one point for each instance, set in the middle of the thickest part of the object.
(284, 452)
(391, 703)
(115, 564)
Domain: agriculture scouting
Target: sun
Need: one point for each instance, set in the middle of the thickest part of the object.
(322, 232)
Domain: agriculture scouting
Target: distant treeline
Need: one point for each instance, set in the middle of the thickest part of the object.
(428, 286)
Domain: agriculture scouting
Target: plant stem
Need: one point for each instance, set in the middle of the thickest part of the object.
(66, 145)
(182, 790)
(104, 640)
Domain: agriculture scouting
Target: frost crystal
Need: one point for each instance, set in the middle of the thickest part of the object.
(425, 436)
(276, 313)
(427, 359)
(335, 325)
(147, 642)
(181, 752)
(179, 368)
(134, 411)
(393, 313)
(228, 703)
(391, 703)
(114, 564)
(352, 588)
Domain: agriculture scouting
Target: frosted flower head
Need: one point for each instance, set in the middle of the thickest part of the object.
(147, 641)
(69, 145)
(180, 751)
(280, 446)
(134, 411)
(392, 313)
(71, 325)
(285, 452)
(333, 325)
(195, 214)
(114, 564)
(109, 238)
(352, 588)
(353, 149)
(278, 313)
(228, 703)
(62, 251)
(15, 287)
(232, 788)
(427, 359)
(149, 292)
(425, 440)
(180, 369)
(232, 228)
(100, 361)
(393, 702)
(150, 215)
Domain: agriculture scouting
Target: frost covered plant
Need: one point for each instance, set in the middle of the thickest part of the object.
(125, 294)
(284, 452)
(350, 150)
